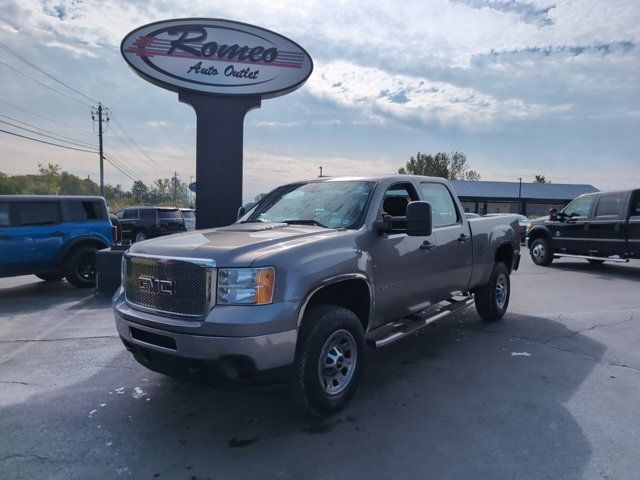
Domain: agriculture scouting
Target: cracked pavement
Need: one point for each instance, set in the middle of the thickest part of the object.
(550, 392)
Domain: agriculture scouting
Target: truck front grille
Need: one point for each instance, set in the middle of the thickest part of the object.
(169, 286)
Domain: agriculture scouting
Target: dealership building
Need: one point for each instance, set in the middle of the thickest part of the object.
(530, 199)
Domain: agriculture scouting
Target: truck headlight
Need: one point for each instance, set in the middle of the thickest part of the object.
(245, 286)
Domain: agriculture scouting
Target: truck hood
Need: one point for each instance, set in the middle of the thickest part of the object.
(237, 245)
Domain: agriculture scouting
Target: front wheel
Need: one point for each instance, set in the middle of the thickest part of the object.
(140, 237)
(541, 253)
(492, 299)
(329, 359)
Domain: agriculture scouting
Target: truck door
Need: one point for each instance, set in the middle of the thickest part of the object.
(607, 226)
(633, 226)
(571, 233)
(8, 256)
(404, 274)
(39, 235)
(454, 251)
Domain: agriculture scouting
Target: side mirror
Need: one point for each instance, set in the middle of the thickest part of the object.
(553, 215)
(419, 219)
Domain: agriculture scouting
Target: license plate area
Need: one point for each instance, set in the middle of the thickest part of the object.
(151, 338)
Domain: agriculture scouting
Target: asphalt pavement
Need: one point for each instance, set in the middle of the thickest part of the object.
(549, 392)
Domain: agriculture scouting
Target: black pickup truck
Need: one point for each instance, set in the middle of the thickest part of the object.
(597, 227)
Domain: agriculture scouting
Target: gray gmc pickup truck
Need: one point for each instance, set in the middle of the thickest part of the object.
(316, 270)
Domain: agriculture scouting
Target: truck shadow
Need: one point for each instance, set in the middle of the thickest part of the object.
(463, 399)
(38, 295)
(605, 271)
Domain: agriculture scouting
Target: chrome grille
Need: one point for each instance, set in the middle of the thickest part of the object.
(191, 291)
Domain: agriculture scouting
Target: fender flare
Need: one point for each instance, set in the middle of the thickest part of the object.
(332, 281)
(89, 239)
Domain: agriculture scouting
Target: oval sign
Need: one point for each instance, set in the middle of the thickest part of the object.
(215, 56)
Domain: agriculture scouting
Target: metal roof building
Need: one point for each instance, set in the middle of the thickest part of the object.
(532, 199)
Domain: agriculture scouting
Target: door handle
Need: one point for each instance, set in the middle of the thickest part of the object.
(427, 246)
(462, 238)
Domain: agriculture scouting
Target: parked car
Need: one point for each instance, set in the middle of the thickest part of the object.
(303, 279)
(597, 227)
(523, 222)
(140, 223)
(53, 236)
(189, 215)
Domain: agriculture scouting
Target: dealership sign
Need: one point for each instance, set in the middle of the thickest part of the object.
(219, 57)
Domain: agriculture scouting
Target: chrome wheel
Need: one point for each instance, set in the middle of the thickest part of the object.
(502, 289)
(538, 252)
(337, 362)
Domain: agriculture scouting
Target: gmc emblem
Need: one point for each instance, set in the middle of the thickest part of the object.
(155, 286)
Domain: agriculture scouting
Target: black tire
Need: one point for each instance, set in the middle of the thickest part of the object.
(80, 267)
(541, 252)
(595, 262)
(50, 276)
(490, 302)
(324, 326)
(140, 236)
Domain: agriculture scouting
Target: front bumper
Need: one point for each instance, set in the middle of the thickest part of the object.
(264, 352)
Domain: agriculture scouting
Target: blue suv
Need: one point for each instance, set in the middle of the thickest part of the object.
(53, 236)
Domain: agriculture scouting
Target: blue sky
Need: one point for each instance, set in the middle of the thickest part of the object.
(523, 88)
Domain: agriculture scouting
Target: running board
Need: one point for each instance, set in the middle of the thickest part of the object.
(588, 257)
(421, 322)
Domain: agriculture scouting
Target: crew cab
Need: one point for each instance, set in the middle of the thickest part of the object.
(297, 286)
(53, 237)
(140, 223)
(597, 227)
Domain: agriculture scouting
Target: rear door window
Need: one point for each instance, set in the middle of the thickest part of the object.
(148, 214)
(4, 214)
(38, 213)
(443, 208)
(189, 214)
(609, 205)
(130, 215)
(82, 211)
(169, 214)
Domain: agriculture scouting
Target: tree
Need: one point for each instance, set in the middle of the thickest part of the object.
(452, 166)
(541, 179)
(139, 192)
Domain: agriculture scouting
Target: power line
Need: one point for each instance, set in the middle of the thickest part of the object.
(119, 125)
(57, 135)
(32, 65)
(57, 122)
(44, 84)
(133, 151)
(48, 143)
(109, 157)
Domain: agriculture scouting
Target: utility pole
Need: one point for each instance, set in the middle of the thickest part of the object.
(320, 176)
(88, 184)
(99, 111)
(520, 194)
(175, 188)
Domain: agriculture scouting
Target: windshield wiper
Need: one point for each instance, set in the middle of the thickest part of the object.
(305, 222)
(251, 221)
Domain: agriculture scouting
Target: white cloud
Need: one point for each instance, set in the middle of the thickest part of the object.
(374, 91)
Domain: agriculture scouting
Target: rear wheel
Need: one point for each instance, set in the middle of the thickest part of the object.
(80, 267)
(492, 299)
(329, 359)
(50, 276)
(541, 252)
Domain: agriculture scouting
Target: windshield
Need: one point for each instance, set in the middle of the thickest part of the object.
(326, 204)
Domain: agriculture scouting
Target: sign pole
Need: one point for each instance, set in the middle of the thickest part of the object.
(219, 133)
